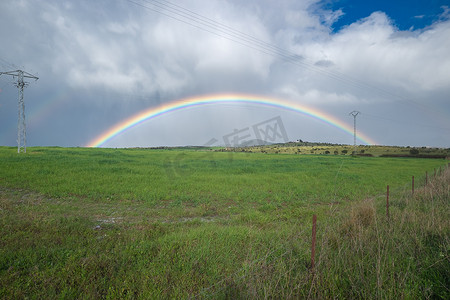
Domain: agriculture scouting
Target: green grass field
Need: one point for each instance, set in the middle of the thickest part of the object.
(180, 223)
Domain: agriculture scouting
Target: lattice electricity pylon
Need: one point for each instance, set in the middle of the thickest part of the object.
(21, 125)
(354, 114)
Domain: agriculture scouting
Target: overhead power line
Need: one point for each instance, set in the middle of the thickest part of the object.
(4, 64)
(206, 24)
(199, 21)
(7, 65)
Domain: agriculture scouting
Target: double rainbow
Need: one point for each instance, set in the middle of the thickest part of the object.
(154, 112)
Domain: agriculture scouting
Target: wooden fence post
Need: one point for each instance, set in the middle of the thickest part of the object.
(426, 178)
(313, 244)
(387, 201)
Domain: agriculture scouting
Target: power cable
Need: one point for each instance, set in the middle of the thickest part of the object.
(7, 64)
(209, 25)
(245, 40)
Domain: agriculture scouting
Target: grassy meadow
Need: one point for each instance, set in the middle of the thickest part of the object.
(197, 223)
(334, 149)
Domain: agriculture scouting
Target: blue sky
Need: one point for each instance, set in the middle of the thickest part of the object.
(405, 14)
(100, 62)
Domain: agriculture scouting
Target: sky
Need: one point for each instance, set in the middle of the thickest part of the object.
(101, 63)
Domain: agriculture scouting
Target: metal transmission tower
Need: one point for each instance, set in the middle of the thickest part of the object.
(354, 114)
(21, 125)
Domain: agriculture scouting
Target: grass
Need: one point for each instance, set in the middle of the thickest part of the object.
(139, 223)
(405, 255)
(335, 149)
(195, 177)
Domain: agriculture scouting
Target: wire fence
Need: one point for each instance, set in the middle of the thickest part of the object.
(303, 235)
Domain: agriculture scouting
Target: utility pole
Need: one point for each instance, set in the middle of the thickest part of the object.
(354, 114)
(21, 125)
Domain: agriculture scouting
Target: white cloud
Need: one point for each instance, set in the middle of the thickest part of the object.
(374, 51)
(318, 97)
(124, 49)
(330, 17)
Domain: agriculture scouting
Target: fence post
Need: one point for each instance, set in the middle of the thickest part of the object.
(313, 244)
(387, 201)
(412, 186)
(426, 178)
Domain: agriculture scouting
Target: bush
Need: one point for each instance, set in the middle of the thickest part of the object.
(414, 151)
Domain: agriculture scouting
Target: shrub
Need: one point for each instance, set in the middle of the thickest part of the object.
(414, 151)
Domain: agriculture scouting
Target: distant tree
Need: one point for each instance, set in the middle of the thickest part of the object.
(362, 151)
(344, 151)
(327, 152)
(414, 151)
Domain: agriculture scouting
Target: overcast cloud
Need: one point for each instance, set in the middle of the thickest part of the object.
(100, 62)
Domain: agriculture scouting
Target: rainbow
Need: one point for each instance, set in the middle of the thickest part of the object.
(222, 98)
